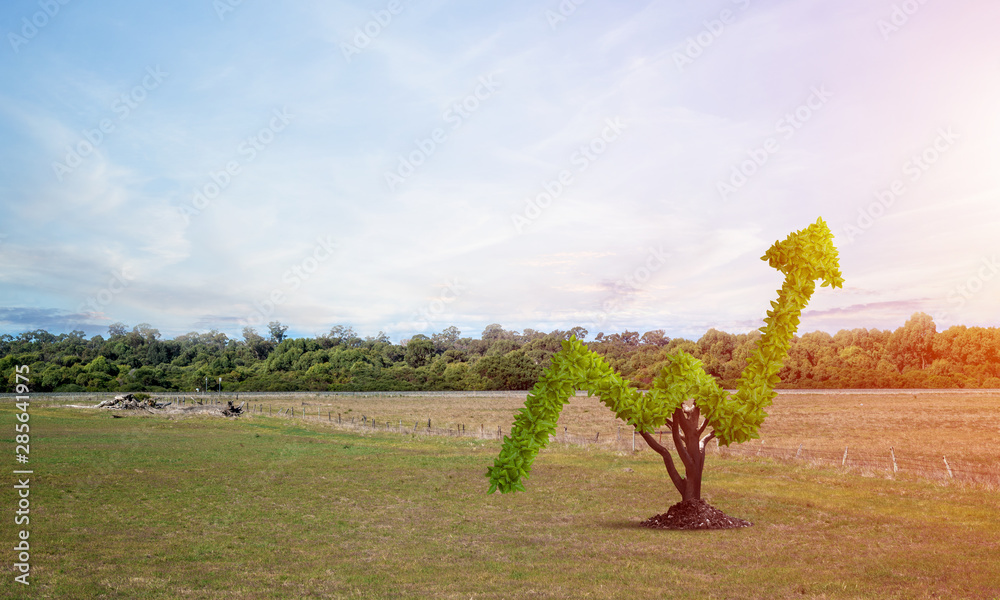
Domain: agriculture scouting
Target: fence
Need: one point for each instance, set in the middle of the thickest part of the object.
(888, 463)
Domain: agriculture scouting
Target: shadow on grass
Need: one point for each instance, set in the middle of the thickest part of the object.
(631, 525)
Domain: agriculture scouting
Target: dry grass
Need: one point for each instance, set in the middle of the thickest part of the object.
(154, 508)
(922, 426)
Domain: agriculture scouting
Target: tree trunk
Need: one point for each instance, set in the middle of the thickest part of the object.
(690, 448)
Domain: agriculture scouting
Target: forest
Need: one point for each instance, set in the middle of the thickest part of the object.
(915, 355)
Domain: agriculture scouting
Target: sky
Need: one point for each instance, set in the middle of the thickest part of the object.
(405, 166)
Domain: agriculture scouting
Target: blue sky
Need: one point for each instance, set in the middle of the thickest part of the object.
(405, 166)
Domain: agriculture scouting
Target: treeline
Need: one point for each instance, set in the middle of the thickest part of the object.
(137, 359)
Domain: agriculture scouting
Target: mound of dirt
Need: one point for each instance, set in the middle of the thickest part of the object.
(694, 514)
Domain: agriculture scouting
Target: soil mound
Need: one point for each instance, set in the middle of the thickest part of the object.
(694, 514)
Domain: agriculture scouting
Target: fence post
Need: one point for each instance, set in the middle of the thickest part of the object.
(633, 440)
(946, 466)
(892, 453)
(843, 462)
(598, 438)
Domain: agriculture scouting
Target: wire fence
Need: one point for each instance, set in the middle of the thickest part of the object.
(889, 463)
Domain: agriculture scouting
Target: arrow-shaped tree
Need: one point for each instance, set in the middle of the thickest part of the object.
(804, 257)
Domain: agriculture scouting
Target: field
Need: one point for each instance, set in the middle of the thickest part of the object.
(271, 507)
(923, 428)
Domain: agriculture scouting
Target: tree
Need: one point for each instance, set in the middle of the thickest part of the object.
(912, 344)
(256, 343)
(117, 329)
(494, 331)
(512, 371)
(803, 257)
(446, 339)
(343, 335)
(419, 351)
(277, 331)
(657, 338)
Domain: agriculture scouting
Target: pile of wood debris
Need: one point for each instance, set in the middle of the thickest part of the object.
(130, 402)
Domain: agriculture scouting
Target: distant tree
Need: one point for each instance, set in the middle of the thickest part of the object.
(912, 345)
(147, 332)
(657, 338)
(341, 335)
(810, 359)
(117, 330)
(511, 371)
(715, 349)
(381, 338)
(277, 331)
(419, 351)
(501, 347)
(446, 339)
(258, 346)
(495, 331)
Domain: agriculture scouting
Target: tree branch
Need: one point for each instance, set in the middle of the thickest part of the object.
(682, 452)
(668, 461)
(704, 442)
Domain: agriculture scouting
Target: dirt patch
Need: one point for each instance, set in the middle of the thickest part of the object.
(694, 514)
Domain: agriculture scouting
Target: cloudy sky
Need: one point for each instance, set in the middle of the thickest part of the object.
(404, 166)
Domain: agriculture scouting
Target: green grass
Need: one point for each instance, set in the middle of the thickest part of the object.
(149, 507)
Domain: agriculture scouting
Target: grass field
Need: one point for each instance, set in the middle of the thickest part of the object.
(200, 507)
(922, 427)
